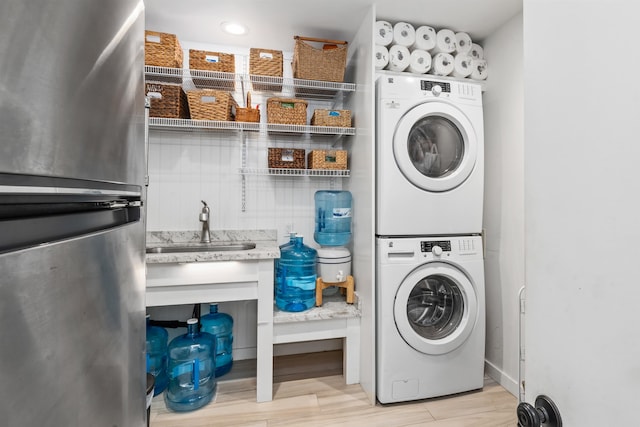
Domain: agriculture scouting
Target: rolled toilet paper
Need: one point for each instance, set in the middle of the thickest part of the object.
(420, 61)
(442, 64)
(445, 41)
(399, 58)
(425, 38)
(383, 33)
(476, 51)
(479, 69)
(462, 65)
(404, 34)
(463, 42)
(381, 57)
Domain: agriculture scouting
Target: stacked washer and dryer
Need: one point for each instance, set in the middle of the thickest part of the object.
(430, 309)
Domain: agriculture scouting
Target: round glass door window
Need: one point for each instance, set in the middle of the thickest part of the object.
(435, 307)
(435, 146)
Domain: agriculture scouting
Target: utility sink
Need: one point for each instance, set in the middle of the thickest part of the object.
(201, 247)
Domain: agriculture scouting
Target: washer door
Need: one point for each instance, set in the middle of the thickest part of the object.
(435, 146)
(435, 308)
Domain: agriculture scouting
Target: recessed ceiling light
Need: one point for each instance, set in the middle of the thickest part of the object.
(234, 28)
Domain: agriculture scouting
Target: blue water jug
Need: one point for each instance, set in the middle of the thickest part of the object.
(191, 369)
(221, 326)
(333, 217)
(276, 262)
(296, 277)
(291, 242)
(156, 347)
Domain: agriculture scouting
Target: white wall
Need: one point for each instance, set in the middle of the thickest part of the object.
(582, 198)
(361, 185)
(504, 200)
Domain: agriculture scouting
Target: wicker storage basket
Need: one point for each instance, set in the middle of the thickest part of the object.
(266, 63)
(288, 111)
(247, 114)
(327, 159)
(213, 61)
(162, 50)
(286, 158)
(335, 118)
(167, 101)
(326, 63)
(211, 104)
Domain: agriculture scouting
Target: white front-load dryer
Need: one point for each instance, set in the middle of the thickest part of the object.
(429, 156)
(430, 317)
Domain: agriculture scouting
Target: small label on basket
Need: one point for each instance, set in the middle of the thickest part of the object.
(287, 105)
(266, 55)
(154, 95)
(330, 157)
(153, 88)
(212, 58)
(208, 99)
(287, 155)
(153, 39)
(334, 113)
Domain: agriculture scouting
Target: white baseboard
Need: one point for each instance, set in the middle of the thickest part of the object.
(510, 384)
(307, 347)
(244, 353)
(291, 348)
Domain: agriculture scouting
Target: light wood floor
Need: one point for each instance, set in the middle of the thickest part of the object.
(309, 391)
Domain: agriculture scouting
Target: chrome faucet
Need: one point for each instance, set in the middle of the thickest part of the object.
(205, 237)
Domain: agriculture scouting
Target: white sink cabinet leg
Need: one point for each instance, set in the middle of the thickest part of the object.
(351, 356)
(264, 368)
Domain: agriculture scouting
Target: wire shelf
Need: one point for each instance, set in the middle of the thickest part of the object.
(295, 172)
(188, 124)
(321, 130)
(226, 81)
(163, 74)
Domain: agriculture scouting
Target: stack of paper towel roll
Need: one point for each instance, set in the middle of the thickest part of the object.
(403, 47)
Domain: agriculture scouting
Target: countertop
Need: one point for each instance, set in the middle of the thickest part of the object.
(333, 307)
(265, 240)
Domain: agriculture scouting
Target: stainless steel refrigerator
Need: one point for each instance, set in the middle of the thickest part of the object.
(72, 160)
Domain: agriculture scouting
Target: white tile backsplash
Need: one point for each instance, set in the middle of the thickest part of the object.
(186, 167)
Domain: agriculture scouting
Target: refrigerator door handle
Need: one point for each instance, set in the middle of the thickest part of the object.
(120, 204)
(33, 224)
(147, 108)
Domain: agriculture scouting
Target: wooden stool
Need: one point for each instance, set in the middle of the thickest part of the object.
(345, 287)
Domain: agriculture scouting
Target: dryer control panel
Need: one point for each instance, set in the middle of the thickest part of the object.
(445, 245)
(429, 85)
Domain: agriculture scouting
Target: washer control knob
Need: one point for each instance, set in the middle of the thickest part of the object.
(436, 250)
(436, 90)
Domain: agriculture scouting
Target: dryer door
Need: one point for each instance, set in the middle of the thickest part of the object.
(435, 308)
(435, 146)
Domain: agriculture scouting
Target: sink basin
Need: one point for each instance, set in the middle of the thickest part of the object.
(203, 247)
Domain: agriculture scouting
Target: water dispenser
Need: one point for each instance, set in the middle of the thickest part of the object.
(332, 233)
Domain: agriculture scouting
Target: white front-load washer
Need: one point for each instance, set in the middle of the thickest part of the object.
(429, 156)
(430, 317)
